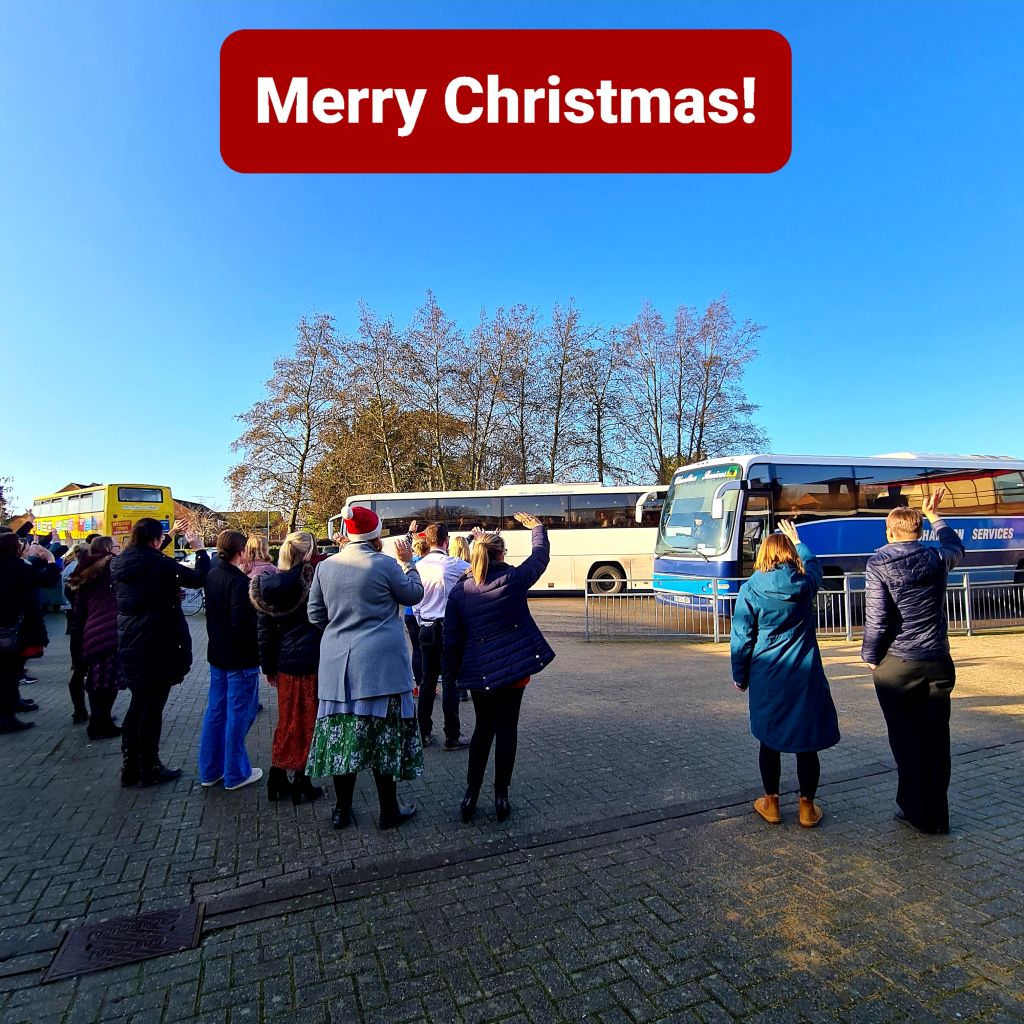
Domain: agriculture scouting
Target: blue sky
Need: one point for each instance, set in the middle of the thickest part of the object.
(145, 288)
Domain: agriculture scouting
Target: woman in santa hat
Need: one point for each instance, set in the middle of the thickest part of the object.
(366, 716)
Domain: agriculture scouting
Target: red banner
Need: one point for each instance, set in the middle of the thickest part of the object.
(709, 101)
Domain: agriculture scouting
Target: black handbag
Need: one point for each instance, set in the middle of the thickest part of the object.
(10, 636)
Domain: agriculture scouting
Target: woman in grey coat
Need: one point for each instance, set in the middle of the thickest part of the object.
(366, 717)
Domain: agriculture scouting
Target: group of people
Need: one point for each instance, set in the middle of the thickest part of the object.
(330, 638)
(776, 660)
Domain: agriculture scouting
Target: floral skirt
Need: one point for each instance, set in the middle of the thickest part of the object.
(343, 744)
(104, 674)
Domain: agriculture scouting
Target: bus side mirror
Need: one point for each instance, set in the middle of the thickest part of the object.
(718, 501)
(644, 498)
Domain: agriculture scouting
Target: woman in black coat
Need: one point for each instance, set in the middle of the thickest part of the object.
(492, 647)
(153, 642)
(21, 624)
(290, 656)
(94, 623)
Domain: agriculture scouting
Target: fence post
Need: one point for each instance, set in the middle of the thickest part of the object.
(586, 610)
(847, 609)
(967, 603)
(714, 607)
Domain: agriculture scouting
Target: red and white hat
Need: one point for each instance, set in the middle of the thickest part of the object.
(360, 523)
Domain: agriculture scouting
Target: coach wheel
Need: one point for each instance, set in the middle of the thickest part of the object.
(607, 579)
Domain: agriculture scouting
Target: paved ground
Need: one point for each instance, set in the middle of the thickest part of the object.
(632, 883)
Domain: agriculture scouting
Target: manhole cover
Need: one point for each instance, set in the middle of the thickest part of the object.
(126, 940)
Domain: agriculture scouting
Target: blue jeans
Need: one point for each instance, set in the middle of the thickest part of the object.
(230, 712)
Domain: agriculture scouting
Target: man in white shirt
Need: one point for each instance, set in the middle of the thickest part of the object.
(438, 571)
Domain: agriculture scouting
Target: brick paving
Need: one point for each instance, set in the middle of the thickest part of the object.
(632, 883)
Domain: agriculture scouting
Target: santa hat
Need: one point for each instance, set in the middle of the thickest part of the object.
(360, 523)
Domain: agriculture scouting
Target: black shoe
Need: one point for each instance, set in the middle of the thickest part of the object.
(8, 723)
(78, 717)
(396, 817)
(342, 817)
(468, 805)
(427, 741)
(278, 784)
(463, 696)
(106, 731)
(459, 744)
(303, 789)
(156, 774)
(129, 771)
(502, 808)
(25, 705)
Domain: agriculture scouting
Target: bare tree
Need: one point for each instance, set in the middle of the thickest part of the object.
(565, 343)
(284, 432)
(646, 388)
(519, 335)
(601, 396)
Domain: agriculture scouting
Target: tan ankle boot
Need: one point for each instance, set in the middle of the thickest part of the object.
(768, 807)
(810, 812)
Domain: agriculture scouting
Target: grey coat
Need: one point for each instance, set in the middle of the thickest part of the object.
(356, 599)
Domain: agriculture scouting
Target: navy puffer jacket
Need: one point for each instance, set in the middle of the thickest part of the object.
(490, 638)
(905, 603)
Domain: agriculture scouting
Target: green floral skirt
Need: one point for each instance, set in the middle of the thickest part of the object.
(349, 743)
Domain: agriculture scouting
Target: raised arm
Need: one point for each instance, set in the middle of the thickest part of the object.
(405, 584)
(192, 579)
(533, 568)
(951, 547)
(812, 567)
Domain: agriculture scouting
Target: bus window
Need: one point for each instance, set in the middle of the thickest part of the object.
(592, 511)
(883, 488)
(1010, 491)
(551, 509)
(814, 490)
(967, 493)
(465, 513)
(396, 514)
(148, 495)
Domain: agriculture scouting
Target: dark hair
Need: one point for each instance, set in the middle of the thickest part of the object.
(10, 545)
(230, 544)
(101, 546)
(436, 534)
(90, 537)
(144, 532)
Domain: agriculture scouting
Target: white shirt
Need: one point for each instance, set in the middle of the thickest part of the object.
(438, 573)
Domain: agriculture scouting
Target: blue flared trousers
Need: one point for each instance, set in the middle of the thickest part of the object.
(230, 711)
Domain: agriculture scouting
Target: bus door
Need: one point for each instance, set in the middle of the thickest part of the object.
(754, 527)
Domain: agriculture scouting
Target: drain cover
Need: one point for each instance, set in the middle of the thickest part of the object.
(126, 940)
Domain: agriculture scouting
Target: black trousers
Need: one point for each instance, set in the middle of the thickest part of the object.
(808, 771)
(431, 646)
(914, 697)
(11, 665)
(76, 687)
(497, 722)
(143, 721)
(412, 627)
(101, 703)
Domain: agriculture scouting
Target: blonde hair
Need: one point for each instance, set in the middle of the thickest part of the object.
(296, 547)
(777, 549)
(420, 546)
(904, 523)
(459, 548)
(486, 546)
(256, 549)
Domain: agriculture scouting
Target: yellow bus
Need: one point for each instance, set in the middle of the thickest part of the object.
(107, 509)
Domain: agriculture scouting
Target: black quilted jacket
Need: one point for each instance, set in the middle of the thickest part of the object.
(490, 638)
(905, 603)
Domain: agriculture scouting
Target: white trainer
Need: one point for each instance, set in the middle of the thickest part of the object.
(216, 782)
(254, 776)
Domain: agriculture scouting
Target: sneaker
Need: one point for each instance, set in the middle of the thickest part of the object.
(427, 741)
(26, 679)
(460, 744)
(207, 785)
(254, 776)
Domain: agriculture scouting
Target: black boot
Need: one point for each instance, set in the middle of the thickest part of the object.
(101, 725)
(468, 806)
(392, 813)
(303, 788)
(344, 788)
(502, 808)
(278, 784)
(8, 723)
(129, 769)
(157, 773)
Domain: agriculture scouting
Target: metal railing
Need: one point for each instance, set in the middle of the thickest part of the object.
(977, 600)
